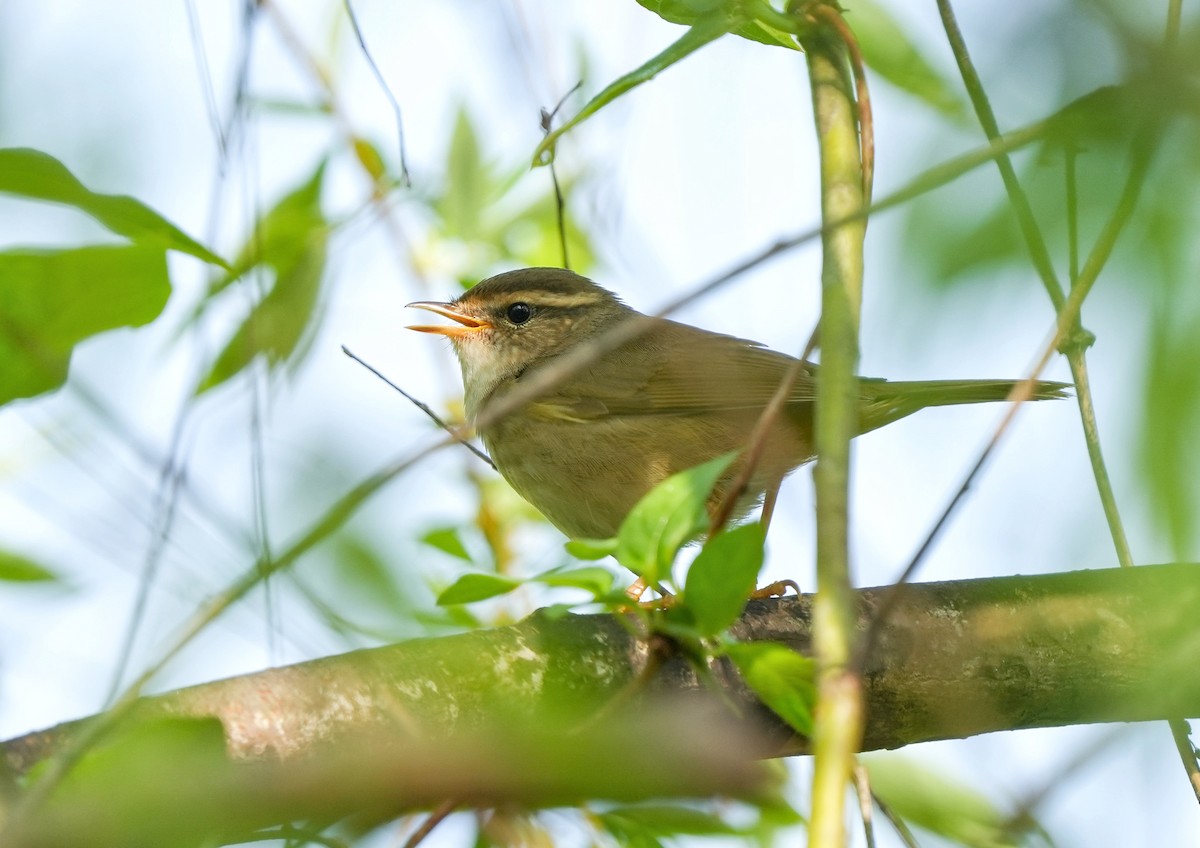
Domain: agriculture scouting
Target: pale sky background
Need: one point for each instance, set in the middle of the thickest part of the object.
(706, 165)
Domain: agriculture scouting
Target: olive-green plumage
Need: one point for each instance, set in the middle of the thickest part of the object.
(672, 398)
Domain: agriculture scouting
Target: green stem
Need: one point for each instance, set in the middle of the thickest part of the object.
(838, 719)
(1075, 340)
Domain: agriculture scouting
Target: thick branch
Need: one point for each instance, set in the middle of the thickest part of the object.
(955, 659)
(508, 715)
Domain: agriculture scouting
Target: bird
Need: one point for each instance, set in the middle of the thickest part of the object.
(586, 450)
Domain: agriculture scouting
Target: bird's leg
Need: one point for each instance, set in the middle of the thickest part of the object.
(768, 507)
(779, 587)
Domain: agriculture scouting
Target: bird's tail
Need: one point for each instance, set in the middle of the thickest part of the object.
(885, 402)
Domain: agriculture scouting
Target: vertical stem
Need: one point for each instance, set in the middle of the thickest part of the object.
(838, 723)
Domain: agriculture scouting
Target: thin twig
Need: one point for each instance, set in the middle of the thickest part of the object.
(902, 829)
(547, 122)
(1181, 733)
(424, 407)
(862, 784)
(405, 180)
(436, 817)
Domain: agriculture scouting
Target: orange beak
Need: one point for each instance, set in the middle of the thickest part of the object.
(467, 324)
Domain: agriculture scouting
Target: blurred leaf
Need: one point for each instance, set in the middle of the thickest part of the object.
(668, 517)
(593, 579)
(1170, 423)
(286, 106)
(644, 824)
(50, 300)
(448, 541)
(39, 176)
(361, 566)
(940, 804)
(531, 237)
(291, 239)
(708, 28)
(781, 678)
(591, 548)
(893, 55)
(469, 183)
(476, 587)
(722, 577)
(370, 158)
(18, 569)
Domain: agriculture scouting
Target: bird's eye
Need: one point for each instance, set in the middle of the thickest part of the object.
(518, 313)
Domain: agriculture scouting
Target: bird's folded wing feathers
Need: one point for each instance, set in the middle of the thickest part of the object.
(719, 373)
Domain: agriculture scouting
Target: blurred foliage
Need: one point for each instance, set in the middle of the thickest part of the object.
(486, 214)
(945, 806)
(52, 299)
(891, 52)
(15, 568)
(291, 242)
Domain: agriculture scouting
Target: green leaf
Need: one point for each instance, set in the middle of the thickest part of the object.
(668, 517)
(938, 803)
(591, 548)
(722, 577)
(50, 300)
(39, 176)
(781, 678)
(688, 12)
(291, 240)
(708, 28)
(889, 51)
(448, 541)
(594, 579)
(18, 569)
(476, 587)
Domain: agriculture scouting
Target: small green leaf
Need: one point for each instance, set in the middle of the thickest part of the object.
(781, 678)
(18, 569)
(722, 576)
(591, 548)
(668, 517)
(448, 541)
(706, 29)
(593, 579)
(50, 300)
(39, 176)
(476, 587)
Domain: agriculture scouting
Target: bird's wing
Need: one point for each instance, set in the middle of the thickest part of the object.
(679, 370)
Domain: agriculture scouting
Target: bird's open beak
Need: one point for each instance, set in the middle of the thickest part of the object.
(467, 324)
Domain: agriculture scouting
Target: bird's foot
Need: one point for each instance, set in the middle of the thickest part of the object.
(775, 590)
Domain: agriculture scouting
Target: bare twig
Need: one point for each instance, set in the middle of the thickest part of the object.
(862, 785)
(405, 180)
(424, 407)
(547, 122)
(435, 817)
